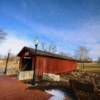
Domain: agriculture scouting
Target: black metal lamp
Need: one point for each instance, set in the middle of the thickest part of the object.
(35, 60)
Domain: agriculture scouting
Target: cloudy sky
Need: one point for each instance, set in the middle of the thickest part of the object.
(66, 23)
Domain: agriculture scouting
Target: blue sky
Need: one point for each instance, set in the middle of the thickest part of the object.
(66, 23)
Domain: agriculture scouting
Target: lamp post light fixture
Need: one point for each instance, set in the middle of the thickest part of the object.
(5, 71)
(35, 60)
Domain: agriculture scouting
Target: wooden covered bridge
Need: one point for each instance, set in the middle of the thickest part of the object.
(46, 62)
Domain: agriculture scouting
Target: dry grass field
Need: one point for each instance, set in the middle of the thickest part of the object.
(90, 67)
(11, 64)
(12, 67)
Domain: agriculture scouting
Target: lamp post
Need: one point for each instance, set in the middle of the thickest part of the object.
(35, 60)
(7, 62)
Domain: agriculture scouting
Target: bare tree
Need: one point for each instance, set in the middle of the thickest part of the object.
(82, 54)
(52, 48)
(44, 46)
(2, 35)
(65, 54)
(48, 47)
(98, 60)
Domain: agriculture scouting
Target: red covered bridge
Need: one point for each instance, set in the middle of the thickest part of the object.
(46, 62)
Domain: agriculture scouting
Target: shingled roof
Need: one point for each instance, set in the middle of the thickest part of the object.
(43, 53)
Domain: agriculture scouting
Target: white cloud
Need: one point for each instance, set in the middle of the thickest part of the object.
(13, 44)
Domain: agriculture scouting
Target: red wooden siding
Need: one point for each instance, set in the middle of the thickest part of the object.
(54, 65)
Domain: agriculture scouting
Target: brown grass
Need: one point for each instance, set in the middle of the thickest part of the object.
(90, 67)
(11, 64)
